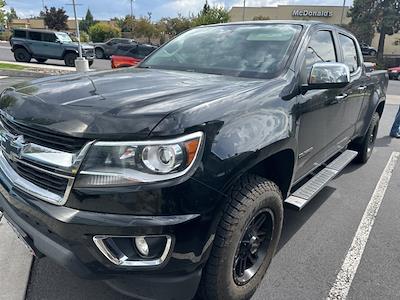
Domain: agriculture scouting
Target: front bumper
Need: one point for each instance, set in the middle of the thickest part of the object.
(65, 235)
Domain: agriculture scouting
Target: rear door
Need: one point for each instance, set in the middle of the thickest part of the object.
(35, 42)
(355, 91)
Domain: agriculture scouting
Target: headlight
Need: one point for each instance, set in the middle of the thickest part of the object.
(131, 163)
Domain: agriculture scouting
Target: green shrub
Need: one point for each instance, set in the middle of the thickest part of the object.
(5, 36)
(101, 32)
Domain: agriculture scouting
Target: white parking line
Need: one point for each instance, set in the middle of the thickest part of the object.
(3, 77)
(341, 287)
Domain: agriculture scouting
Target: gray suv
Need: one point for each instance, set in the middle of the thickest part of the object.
(44, 44)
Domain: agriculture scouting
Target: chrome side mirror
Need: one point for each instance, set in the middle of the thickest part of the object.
(328, 75)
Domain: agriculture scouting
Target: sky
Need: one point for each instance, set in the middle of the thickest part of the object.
(106, 9)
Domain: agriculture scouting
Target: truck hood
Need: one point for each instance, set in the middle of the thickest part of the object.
(115, 104)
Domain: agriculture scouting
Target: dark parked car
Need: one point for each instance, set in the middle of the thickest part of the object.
(394, 73)
(109, 48)
(368, 50)
(171, 178)
(130, 56)
(44, 44)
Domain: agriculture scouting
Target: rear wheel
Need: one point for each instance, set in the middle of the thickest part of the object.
(70, 58)
(372, 53)
(245, 242)
(22, 55)
(366, 146)
(99, 53)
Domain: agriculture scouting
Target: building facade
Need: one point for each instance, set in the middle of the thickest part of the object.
(328, 14)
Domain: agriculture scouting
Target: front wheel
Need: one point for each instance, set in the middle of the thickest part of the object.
(99, 53)
(246, 240)
(372, 53)
(69, 59)
(367, 144)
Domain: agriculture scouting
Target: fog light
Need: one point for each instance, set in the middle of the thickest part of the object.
(141, 245)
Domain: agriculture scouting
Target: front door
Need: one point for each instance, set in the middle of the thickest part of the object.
(50, 47)
(320, 112)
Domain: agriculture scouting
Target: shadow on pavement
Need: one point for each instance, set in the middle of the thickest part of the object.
(294, 220)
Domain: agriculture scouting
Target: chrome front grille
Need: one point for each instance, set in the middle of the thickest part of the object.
(48, 139)
(39, 163)
(40, 177)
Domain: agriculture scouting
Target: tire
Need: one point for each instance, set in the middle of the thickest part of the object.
(22, 55)
(69, 59)
(372, 53)
(365, 147)
(251, 200)
(41, 60)
(99, 53)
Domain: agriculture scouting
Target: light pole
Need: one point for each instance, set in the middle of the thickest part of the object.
(341, 19)
(78, 34)
(244, 10)
(81, 64)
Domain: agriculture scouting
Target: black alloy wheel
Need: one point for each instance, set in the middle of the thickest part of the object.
(253, 247)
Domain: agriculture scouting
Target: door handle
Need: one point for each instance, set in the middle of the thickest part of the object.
(341, 97)
(362, 88)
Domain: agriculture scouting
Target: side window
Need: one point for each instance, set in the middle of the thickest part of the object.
(36, 36)
(349, 52)
(20, 34)
(320, 49)
(49, 37)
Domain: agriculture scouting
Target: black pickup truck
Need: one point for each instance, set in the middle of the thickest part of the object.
(169, 180)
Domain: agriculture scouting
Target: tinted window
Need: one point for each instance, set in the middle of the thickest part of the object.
(49, 37)
(20, 34)
(320, 49)
(349, 52)
(238, 50)
(36, 36)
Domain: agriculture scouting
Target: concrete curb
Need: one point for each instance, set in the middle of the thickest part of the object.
(28, 74)
(15, 262)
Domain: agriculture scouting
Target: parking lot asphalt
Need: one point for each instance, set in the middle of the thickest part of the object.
(314, 241)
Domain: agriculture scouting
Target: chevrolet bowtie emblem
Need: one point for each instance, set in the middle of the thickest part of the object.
(12, 145)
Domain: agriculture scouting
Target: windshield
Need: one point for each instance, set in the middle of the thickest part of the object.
(240, 50)
(63, 37)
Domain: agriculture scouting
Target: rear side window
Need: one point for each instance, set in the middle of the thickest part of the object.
(349, 52)
(320, 49)
(20, 34)
(49, 37)
(36, 36)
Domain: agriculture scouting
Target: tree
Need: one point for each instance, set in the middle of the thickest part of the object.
(362, 23)
(210, 15)
(144, 27)
(11, 15)
(260, 18)
(2, 12)
(55, 19)
(126, 24)
(174, 26)
(370, 16)
(101, 32)
(387, 22)
(86, 23)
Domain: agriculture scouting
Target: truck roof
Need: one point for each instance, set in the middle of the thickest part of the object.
(37, 30)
